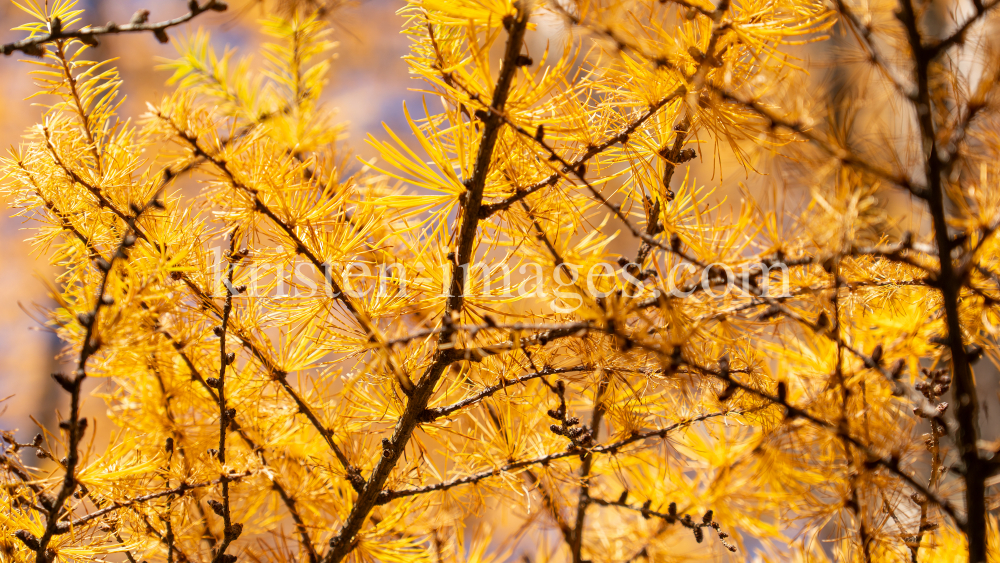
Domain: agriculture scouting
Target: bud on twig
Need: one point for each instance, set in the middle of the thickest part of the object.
(140, 17)
(217, 507)
(27, 539)
(64, 382)
(877, 354)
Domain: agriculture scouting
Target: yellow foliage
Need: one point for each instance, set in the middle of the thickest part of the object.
(528, 329)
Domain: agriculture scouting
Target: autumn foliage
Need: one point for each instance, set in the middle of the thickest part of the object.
(320, 359)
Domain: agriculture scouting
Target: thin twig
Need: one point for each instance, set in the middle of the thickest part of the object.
(33, 45)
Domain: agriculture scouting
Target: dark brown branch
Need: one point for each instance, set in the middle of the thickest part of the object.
(33, 45)
(612, 449)
(102, 200)
(581, 175)
(369, 328)
(286, 497)
(342, 543)
(583, 499)
(976, 470)
(542, 338)
(673, 517)
(89, 347)
(774, 120)
(273, 369)
(158, 534)
(863, 32)
(65, 527)
(435, 413)
(710, 14)
(231, 531)
(551, 505)
(924, 408)
(11, 464)
(933, 51)
(65, 222)
(622, 137)
(891, 463)
(473, 329)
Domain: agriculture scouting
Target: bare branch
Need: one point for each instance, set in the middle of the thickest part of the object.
(612, 448)
(33, 45)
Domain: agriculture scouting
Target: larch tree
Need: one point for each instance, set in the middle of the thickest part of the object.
(525, 330)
